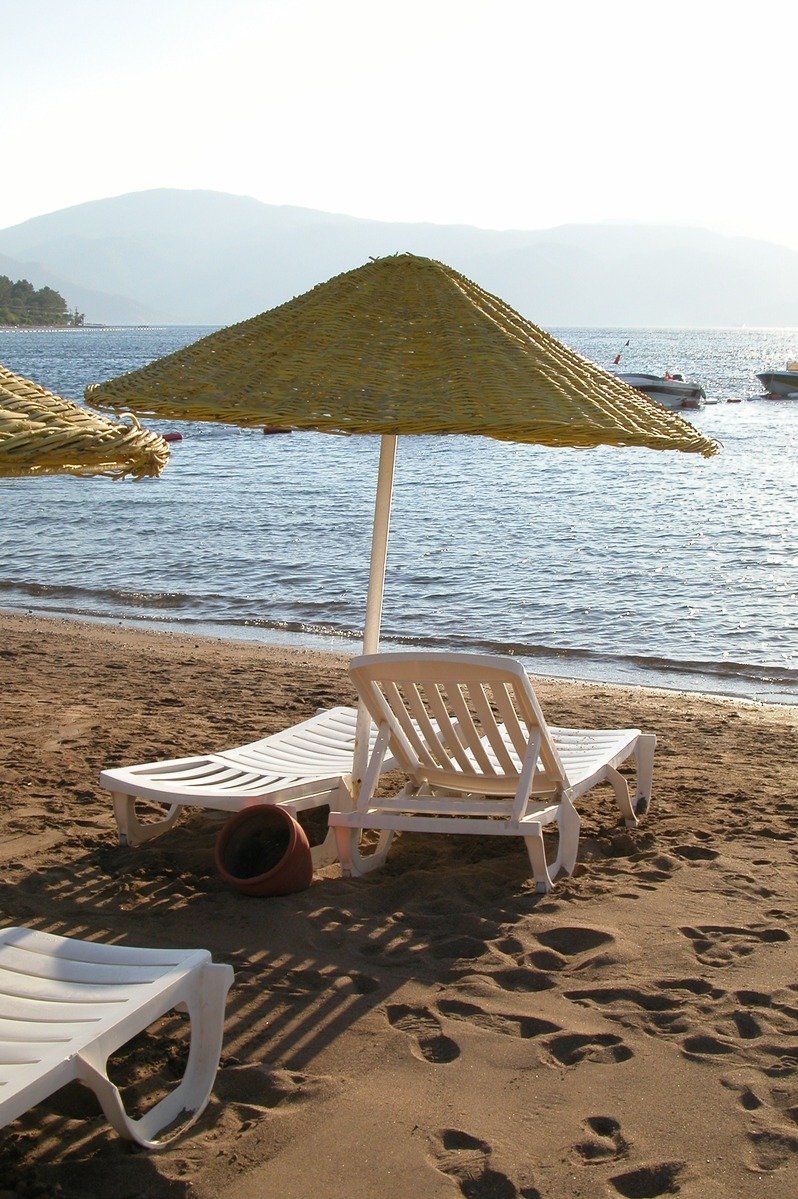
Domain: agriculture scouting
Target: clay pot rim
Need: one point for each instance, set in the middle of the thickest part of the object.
(289, 822)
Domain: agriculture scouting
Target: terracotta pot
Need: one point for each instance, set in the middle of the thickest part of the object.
(264, 851)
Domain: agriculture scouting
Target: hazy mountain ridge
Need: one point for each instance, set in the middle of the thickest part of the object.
(195, 257)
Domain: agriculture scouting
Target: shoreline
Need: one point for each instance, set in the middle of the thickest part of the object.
(48, 328)
(87, 327)
(629, 1033)
(544, 667)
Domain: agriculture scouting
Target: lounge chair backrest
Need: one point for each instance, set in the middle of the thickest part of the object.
(443, 713)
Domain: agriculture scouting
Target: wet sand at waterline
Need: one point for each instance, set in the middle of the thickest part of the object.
(436, 1028)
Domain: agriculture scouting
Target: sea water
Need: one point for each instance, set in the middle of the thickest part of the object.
(626, 565)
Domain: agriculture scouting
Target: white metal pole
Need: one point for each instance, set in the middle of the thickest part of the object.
(379, 554)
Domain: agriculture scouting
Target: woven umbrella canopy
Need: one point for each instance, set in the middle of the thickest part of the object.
(401, 345)
(43, 434)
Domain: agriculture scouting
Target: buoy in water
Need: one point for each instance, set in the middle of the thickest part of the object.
(275, 429)
(172, 436)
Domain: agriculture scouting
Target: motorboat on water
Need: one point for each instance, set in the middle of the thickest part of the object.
(670, 390)
(782, 385)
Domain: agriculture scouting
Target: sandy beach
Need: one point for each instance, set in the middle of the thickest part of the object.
(437, 1028)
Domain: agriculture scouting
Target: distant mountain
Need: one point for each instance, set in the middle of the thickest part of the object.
(207, 258)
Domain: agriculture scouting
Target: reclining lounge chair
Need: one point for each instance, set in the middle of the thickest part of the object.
(297, 768)
(468, 732)
(67, 1005)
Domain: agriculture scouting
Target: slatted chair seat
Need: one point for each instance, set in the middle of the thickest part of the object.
(66, 1005)
(468, 732)
(298, 768)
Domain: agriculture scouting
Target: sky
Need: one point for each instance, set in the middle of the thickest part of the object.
(504, 114)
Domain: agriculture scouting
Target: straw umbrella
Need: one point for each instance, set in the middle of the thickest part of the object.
(43, 434)
(401, 345)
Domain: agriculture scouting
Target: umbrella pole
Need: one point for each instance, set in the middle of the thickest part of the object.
(379, 554)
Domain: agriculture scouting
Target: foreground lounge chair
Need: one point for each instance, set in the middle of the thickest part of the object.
(67, 1005)
(298, 768)
(469, 733)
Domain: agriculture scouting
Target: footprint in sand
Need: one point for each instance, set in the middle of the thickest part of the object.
(647, 1009)
(749, 1100)
(603, 1141)
(514, 1026)
(466, 1159)
(720, 944)
(735, 883)
(362, 984)
(650, 1181)
(570, 940)
(464, 948)
(694, 986)
(695, 853)
(700, 1046)
(520, 978)
(510, 945)
(654, 868)
(424, 1027)
(571, 1048)
(300, 983)
(708, 1021)
(546, 959)
(773, 1147)
(257, 1085)
(747, 1025)
(560, 946)
(626, 997)
(746, 1093)
(772, 1134)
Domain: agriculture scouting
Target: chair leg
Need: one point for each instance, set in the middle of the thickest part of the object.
(344, 839)
(537, 858)
(207, 991)
(644, 761)
(340, 801)
(347, 840)
(621, 789)
(131, 829)
(568, 824)
(353, 862)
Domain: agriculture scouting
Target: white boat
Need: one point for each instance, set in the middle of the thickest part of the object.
(672, 391)
(781, 384)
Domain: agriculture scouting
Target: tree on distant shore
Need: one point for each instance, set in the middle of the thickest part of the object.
(22, 305)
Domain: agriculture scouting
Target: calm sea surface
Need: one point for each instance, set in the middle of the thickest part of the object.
(625, 565)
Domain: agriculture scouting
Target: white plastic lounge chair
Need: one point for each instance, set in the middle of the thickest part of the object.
(297, 768)
(67, 1005)
(468, 732)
